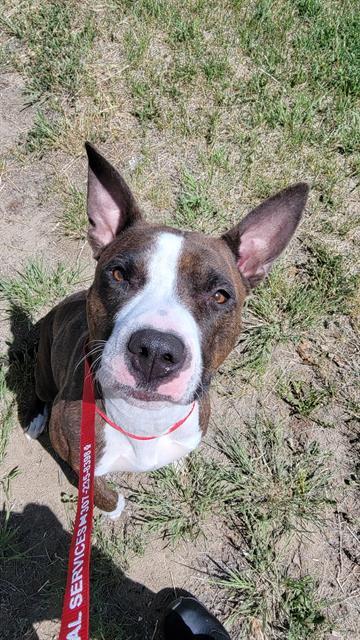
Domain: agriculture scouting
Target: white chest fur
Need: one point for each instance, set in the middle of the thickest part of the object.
(122, 453)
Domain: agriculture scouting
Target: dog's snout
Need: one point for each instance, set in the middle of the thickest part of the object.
(154, 354)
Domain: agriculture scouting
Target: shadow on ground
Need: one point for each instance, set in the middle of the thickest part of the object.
(21, 358)
(20, 377)
(32, 582)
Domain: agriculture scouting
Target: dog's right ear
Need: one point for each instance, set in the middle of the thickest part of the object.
(111, 206)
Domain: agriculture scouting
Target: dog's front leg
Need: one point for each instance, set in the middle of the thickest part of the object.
(107, 499)
(64, 430)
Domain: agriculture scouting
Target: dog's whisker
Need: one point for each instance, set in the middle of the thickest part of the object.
(97, 342)
(95, 363)
(82, 359)
(201, 388)
(90, 353)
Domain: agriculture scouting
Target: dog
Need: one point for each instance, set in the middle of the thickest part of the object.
(162, 314)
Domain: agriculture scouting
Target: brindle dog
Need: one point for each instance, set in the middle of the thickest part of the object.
(162, 314)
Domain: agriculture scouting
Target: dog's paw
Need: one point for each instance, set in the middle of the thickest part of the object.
(114, 515)
(37, 425)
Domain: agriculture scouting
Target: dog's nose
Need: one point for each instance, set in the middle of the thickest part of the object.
(154, 354)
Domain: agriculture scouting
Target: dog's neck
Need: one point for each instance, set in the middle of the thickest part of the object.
(144, 418)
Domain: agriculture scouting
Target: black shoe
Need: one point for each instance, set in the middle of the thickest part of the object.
(187, 618)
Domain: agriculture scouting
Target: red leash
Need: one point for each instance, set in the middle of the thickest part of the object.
(75, 615)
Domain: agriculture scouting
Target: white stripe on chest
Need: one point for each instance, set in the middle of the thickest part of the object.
(122, 453)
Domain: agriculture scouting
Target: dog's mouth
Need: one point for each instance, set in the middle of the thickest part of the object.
(137, 393)
(146, 395)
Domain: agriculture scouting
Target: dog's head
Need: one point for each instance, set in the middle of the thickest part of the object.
(167, 303)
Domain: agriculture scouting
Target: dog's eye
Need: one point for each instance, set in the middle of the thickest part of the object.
(221, 296)
(117, 275)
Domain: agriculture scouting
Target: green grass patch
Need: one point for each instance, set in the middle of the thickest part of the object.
(194, 210)
(118, 544)
(263, 483)
(303, 398)
(38, 286)
(285, 307)
(281, 607)
(183, 30)
(5, 481)
(74, 220)
(271, 488)
(9, 538)
(146, 105)
(272, 491)
(308, 57)
(299, 79)
(51, 44)
(57, 43)
(7, 421)
(43, 135)
(303, 610)
(267, 491)
(9, 541)
(177, 502)
(6, 413)
(216, 69)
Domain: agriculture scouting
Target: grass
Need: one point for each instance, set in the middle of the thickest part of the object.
(194, 209)
(74, 219)
(6, 413)
(56, 41)
(31, 291)
(43, 135)
(57, 45)
(38, 285)
(284, 308)
(302, 398)
(266, 492)
(311, 56)
(306, 89)
(9, 544)
(293, 603)
(273, 492)
(271, 488)
(262, 481)
(5, 482)
(10, 551)
(177, 502)
(303, 612)
(120, 545)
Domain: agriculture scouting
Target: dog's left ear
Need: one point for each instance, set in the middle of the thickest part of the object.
(111, 206)
(265, 232)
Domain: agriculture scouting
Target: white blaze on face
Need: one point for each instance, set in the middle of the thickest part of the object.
(157, 306)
